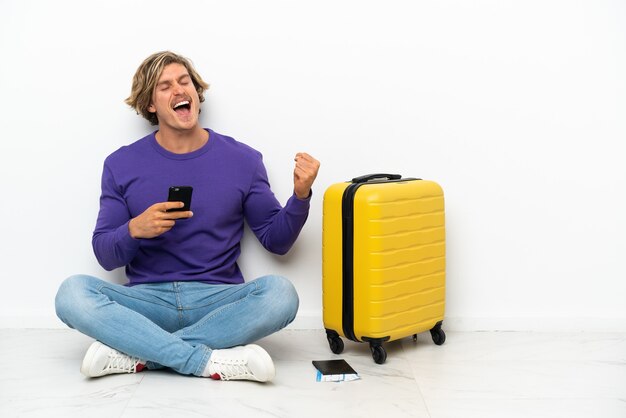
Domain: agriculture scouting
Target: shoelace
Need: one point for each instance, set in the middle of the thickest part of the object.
(231, 369)
(121, 363)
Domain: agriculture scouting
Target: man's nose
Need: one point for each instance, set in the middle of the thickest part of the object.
(177, 88)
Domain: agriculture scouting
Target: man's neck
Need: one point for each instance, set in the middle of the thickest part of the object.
(182, 142)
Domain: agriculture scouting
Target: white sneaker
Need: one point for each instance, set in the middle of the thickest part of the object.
(101, 360)
(249, 362)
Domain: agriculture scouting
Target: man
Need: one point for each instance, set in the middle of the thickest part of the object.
(186, 306)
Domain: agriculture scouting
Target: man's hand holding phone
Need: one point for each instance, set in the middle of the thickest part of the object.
(156, 220)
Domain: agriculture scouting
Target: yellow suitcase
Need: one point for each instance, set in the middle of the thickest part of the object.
(384, 263)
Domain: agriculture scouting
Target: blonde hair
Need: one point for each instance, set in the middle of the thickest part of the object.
(147, 76)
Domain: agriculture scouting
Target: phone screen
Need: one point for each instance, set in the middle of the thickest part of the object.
(180, 194)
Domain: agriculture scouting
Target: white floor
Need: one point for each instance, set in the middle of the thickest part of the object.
(474, 374)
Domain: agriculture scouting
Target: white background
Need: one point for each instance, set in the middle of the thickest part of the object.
(517, 108)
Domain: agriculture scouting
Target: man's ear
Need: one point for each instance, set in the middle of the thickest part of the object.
(151, 108)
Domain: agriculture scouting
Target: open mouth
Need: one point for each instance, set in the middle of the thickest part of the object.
(182, 108)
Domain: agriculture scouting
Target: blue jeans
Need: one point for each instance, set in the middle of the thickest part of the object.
(176, 324)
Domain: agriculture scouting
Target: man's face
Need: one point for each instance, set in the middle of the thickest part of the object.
(175, 99)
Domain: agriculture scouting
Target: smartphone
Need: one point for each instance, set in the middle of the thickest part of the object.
(180, 194)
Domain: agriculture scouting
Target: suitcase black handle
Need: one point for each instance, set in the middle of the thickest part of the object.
(368, 177)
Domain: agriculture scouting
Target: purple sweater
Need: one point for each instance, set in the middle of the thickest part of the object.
(229, 185)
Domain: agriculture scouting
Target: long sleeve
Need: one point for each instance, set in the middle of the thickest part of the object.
(111, 241)
(276, 227)
(229, 186)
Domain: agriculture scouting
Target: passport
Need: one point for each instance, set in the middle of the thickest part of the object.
(334, 371)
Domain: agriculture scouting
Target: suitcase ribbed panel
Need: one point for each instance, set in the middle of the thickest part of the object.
(403, 240)
(386, 308)
(410, 322)
(406, 272)
(391, 290)
(399, 259)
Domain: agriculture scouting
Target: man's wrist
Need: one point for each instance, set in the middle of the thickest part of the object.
(308, 195)
(131, 230)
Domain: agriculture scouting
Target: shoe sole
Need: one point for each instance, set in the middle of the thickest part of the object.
(89, 356)
(268, 372)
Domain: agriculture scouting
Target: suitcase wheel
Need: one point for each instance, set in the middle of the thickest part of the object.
(439, 337)
(378, 353)
(335, 342)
